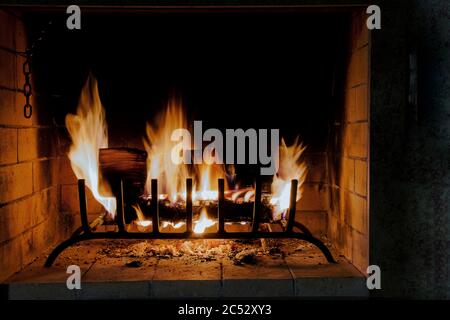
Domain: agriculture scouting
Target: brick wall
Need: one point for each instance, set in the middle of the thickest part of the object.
(313, 206)
(349, 214)
(30, 218)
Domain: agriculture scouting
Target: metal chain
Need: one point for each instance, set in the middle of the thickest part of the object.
(27, 109)
(28, 54)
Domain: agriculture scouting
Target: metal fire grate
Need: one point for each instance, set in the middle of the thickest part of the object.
(85, 231)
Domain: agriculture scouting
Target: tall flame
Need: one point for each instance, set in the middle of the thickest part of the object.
(88, 131)
(158, 144)
(171, 176)
(290, 168)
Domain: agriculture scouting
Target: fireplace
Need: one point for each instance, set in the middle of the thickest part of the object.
(90, 161)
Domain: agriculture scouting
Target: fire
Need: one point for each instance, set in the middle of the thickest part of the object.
(141, 221)
(203, 222)
(208, 175)
(290, 168)
(158, 144)
(88, 131)
(177, 225)
(172, 176)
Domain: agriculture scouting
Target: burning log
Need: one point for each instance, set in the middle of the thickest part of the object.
(128, 164)
(233, 211)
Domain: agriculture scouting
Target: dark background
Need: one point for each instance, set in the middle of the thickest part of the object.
(231, 70)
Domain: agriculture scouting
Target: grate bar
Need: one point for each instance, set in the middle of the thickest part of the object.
(83, 205)
(292, 205)
(220, 203)
(189, 212)
(155, 206)
(221, 234)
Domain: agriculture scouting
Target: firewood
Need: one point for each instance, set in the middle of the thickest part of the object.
(232, 211)
(127, 164)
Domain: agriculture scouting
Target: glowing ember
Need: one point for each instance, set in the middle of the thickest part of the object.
(141, 221)
(144, 223)
(203, 222)
(177, 225)
(88, 131)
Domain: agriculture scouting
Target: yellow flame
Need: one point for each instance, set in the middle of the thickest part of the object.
(290, 168)
(158, 144)
(171, 176)
(203, 222)
(88, 131)
(208, 175)
(177, 225)
(141, 221)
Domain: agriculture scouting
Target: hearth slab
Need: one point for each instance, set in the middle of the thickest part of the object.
(302, 274)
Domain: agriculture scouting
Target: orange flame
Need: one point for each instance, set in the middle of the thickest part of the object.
(141, 221)
(290, 168)
(89, 133)
(171, 176)
(158, 145)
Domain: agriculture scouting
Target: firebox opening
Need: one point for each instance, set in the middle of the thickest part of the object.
(304, 72)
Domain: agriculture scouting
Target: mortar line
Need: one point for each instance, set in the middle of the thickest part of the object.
(294, 285)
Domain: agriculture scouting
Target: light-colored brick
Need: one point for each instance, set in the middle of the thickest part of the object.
(35, 143)
(19, 216)
(356, 140)
(347, 242)
(314, 198)
(356, 212)
(10, 257)
(342, 206)
(361, 106)
(45, 205)
(11, 109)
(360, 251)
(352, 69)
(333, 228)
(317, 171)
(70, 202)
(361, 177)
(358, 67)
(360, 33)
(315, 221)
(66, 174)
(16, 217)
(20, 77)
(362, 65)
(45, 174)
(44, 235)
(8, 146)
(347, 174)
(8, 69)
(20, 36)
(350, 101)
(28, 144)
(6, 30)
(16, 181)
